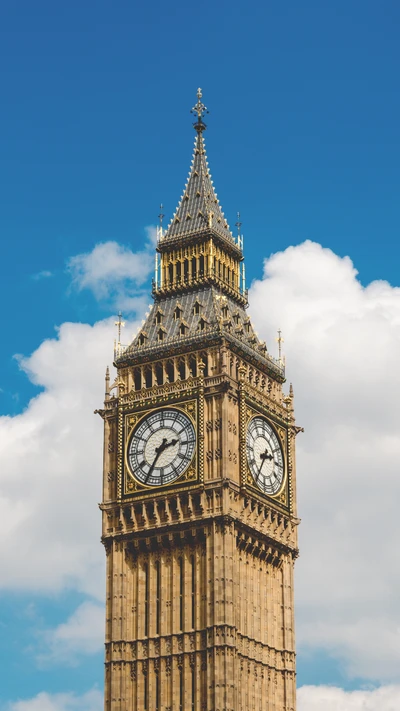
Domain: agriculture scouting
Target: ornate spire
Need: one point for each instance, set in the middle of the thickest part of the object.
(198, 210)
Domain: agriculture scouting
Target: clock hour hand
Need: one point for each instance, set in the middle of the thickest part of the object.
(172, 443)
(263, 457)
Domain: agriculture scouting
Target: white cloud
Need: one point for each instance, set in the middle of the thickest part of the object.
(45, 274)
(330, 698)
(81, 634)
(343, 349)
(111, 270)
(51, 467)
(91, 701)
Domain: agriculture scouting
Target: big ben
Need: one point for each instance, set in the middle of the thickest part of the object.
(199, 490)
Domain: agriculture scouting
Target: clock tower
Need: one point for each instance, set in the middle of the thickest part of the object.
(199, 493)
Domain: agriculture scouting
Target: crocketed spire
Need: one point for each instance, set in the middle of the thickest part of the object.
(198, 210)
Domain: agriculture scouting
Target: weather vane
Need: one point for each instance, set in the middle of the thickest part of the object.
(199, 110)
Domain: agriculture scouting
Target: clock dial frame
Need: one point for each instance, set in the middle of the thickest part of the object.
(161, 447)
(265, 457)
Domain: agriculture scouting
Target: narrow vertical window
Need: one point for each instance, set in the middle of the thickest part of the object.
(157, 691)
(193, 688)
(158, 597)
(145, 693)
(146, 600)
(181, 689)
(181, 591)
(193, 592)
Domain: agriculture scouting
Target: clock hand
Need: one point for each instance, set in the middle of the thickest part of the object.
(263, 457)
(171, 443)
(159, 450)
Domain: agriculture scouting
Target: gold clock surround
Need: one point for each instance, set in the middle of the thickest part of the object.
(132, 420)
(278, 493)
(247, 413)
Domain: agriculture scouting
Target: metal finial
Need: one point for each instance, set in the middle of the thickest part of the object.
(199, 109)
(120, 324)
(161, 215)
(238, 224)
(107, 388)
(279, 341)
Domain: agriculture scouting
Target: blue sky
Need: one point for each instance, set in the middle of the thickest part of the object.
(95, 130)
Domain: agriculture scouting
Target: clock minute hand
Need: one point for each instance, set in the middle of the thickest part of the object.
(158, 450)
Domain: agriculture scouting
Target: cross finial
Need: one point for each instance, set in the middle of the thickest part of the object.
(279, 341)
(120, 324)
(199, 109)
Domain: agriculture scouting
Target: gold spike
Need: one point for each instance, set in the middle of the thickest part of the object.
(120, 324)
(279, 341)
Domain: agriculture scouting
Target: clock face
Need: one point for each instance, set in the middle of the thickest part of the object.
(265, 456)
(161, 447)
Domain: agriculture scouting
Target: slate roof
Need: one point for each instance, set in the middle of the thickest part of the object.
(221, 316)
(198, 209)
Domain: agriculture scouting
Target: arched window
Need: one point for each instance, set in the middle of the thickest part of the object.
(193, 365)
(182, 369)
(148, 378)
(159, 374)
(137, 379)
(204, 358)
(170, 372)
